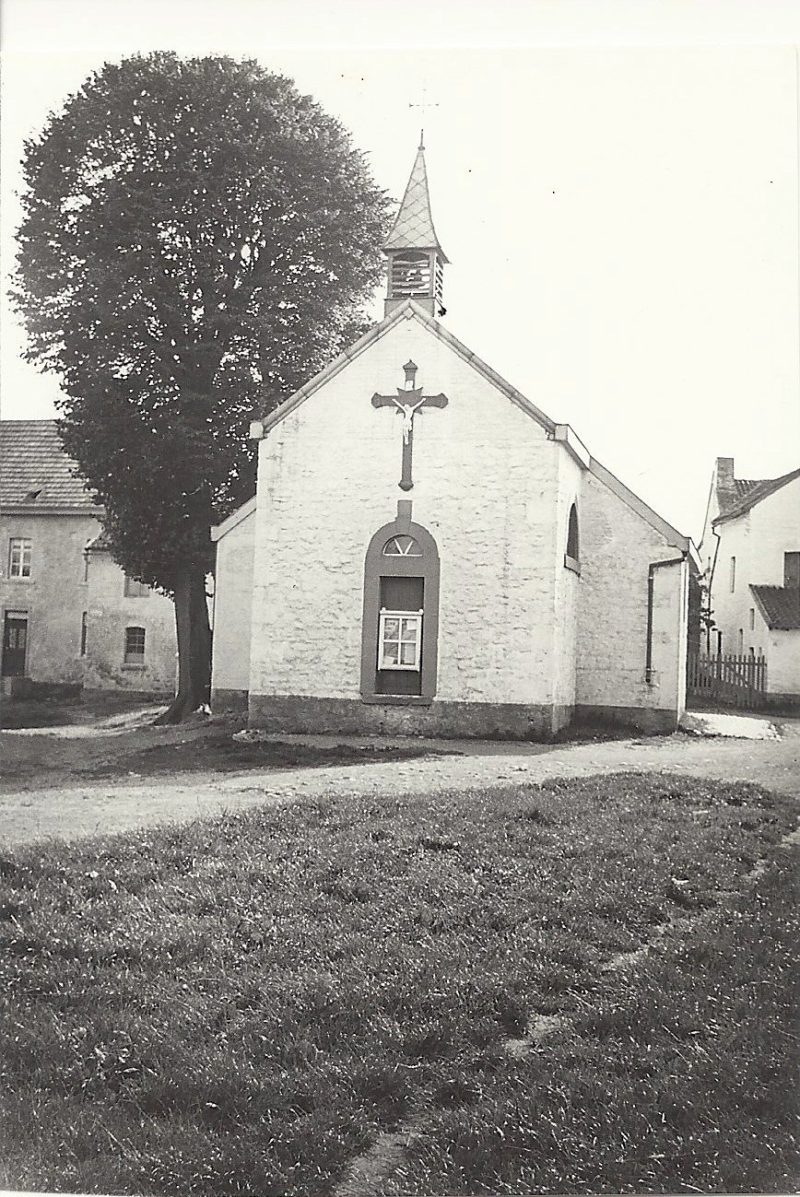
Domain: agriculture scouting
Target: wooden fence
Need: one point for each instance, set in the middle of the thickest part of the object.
(739, 681)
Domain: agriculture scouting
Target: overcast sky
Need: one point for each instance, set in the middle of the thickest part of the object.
(616, 186)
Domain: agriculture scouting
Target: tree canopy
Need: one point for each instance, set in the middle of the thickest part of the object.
(198, 239)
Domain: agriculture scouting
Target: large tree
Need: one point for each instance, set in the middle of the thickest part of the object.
(198, 239)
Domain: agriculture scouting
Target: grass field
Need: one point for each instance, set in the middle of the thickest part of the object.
(243, 1005)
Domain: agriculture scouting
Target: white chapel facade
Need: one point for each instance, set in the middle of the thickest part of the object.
(429, 553)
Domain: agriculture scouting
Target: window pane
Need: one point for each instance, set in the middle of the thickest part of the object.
(408, 654)
(391, 629)
(389, 656)
(410, 628)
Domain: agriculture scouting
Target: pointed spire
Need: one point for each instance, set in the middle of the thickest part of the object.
(413, 226)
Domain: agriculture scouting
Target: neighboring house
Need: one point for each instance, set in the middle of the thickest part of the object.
(69, 614)
(131, 636)
(46, 518)
(428, 552)
(750, 553)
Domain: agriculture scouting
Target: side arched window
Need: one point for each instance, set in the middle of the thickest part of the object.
(573, 554)
(400, 625)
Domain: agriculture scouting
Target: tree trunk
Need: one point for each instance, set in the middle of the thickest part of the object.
(194, 648)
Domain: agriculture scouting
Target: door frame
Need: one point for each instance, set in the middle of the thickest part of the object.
(8, 610)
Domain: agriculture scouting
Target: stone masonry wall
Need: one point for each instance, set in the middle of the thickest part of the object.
(55, 595)
(567, 595)
(110, 612)
(485, 476)
(233, 608)
(617, 546)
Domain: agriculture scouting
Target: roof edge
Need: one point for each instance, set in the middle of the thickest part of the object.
(742, 506)
(405, 311)
(89, 509)
(670, 534)
(234, 519)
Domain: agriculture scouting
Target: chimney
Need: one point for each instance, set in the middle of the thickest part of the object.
(724, 481)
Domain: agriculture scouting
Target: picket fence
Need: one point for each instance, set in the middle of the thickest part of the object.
(739, 681)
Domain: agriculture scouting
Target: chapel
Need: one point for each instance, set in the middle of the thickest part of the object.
(429, 553)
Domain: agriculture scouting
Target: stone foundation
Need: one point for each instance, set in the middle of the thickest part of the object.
(646, 719)
(451, 720)
(228, 700)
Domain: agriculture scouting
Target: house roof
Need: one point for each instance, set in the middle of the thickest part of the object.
(753, 492)
(413, 226)
(35, 472)
(780, 606)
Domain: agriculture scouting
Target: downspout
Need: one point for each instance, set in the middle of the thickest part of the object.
(651, 572)
(718, 539)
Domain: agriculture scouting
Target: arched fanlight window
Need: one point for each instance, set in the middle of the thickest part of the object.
(402, 546)
(573, 554)
(401, 615)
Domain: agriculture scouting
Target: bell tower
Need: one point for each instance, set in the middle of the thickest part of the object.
(416, 260)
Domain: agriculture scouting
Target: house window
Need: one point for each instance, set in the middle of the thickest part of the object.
(791, 570)
(85, 566)
(401, 614)
(134, 646)
(741, 641)
(572, 556)
(134, 589)
(733, 574)
(19, 557)
(399, 640)
(84, 626)
(752, 618)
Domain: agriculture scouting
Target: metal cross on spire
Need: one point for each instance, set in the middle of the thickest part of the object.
(423, 105)
(408, 401)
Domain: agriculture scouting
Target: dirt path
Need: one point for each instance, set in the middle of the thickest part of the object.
(98, 807)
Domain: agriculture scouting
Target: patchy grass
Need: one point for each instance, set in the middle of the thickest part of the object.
(242, 1004)
(49, 708)
(216, 751)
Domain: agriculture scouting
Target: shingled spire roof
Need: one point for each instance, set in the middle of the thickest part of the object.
(413, 227)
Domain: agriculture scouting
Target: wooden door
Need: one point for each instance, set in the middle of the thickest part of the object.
(15, 640)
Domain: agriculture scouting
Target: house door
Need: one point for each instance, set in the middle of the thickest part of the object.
(15, 640)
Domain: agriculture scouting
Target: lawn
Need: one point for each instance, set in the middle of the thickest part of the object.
(243, 1005)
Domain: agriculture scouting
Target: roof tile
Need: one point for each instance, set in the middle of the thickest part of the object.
(780, 606)
(35, 472)
(754, 494)
(413, 226)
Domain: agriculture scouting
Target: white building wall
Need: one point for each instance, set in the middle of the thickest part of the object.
(758, 540)
(567, 593)
(233, 611)
(617, 548)
(783, 662)
(55, 596)
(485, 476)
(110, 612)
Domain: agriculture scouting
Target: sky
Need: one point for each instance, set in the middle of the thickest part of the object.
(616, 186)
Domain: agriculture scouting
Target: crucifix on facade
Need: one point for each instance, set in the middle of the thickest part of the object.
(408, 401)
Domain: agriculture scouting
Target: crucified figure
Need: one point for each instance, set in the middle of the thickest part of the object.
(408, 410)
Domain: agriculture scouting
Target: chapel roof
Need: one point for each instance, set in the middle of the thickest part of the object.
(413, 226)
(750, 492)
(35, 472)
(409, 310)
(780, 606)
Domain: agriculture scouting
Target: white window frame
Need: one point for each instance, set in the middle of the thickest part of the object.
(20, 568)
(131, 658)
(134, 589)
(413, 617)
